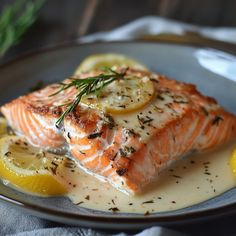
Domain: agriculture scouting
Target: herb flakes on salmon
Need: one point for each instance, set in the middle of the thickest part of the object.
(125, 145)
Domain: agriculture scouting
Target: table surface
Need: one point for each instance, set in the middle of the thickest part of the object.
(62, 20)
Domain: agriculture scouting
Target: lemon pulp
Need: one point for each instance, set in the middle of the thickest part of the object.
(3, 126)
(232, 162)
(122, 96)
(30, 169)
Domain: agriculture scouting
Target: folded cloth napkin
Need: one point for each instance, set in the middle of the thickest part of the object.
(15, 222)
(150, 25)
(218, 62)
(75, 231)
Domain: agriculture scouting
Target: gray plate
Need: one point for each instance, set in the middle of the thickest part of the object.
(55, 64)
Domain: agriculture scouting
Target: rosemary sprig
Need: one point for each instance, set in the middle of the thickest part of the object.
(86, 86)
(15, 20)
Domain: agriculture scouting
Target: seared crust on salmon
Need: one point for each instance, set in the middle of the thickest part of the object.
(127, 150)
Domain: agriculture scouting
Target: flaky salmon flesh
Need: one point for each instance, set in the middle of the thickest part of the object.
(128, 150)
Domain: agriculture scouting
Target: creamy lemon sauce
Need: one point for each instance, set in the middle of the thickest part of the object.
(192, 180)
(189, 181)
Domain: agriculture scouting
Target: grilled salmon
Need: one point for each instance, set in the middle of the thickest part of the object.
(128, 150)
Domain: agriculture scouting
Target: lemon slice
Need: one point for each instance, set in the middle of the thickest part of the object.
(3, 126)
(122, 96)
(232, 162)
(28, 168)
(98, 61)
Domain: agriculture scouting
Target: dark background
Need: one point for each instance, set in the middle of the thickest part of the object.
(64, 20)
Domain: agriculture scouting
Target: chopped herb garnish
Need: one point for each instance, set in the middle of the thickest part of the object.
(126, 151)
(122, 106)
(179, 99)
(114, 209)
(86, 86)
(110, 121)
(53, 163)
(151, 201)
(69, 164)
(79, 203)
(177, 176)
(148, 120)
(207, 173)
(159, 110)
(131, 132)
(121, 172)
(143, 120)
(114, 157)
(95, 135)
(160, 97)
(54, 169)
(217, 120)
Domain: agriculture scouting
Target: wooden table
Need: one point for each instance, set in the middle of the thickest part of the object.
(64, 20)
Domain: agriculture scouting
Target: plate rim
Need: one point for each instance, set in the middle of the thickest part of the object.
(114, 219)
(52, 47)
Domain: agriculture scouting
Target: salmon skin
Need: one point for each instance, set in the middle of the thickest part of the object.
(126, 150)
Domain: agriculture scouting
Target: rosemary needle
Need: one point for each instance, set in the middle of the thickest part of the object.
(93, 84)
(15, 20)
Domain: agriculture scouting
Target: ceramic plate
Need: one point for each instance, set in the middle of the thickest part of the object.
(175, 61)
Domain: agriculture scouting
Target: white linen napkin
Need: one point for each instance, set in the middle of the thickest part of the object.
(75, 231)
(15, 222)
(156, 25)
(218, 62)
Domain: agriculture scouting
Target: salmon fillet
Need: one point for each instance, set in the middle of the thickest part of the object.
(126, 150)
